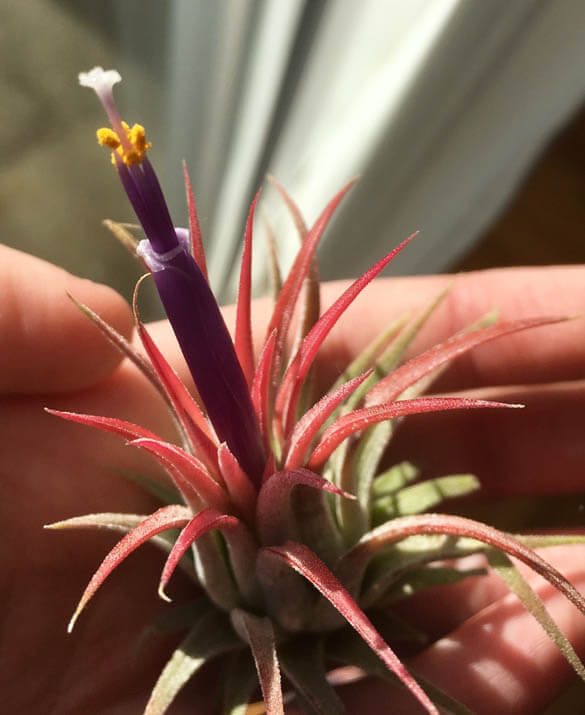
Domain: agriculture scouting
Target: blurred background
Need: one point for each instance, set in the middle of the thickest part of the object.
(463, 117)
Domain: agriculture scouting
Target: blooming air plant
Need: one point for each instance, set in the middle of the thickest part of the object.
(299, 541)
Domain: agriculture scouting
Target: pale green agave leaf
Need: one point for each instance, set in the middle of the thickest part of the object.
(302, 660)
(211, 636)
(512, 577)
(423, 497)
(348, 649)
(393, 479)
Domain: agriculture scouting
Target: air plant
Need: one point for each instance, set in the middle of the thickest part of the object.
(296, 535)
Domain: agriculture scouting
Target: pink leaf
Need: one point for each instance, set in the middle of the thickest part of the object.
(127, 430)
(367, 416)
(262, 388)
(258, 632)
(304, 561)
(402, 527)
(201, 523)
(197, 249)
(124, 346)
(311, 422)
(243, 334)
(285, 304)
(397, 381)
(287, 398)
(188, 473)
(273, 506)
(169, 517)
(187, 410)
(238, 484)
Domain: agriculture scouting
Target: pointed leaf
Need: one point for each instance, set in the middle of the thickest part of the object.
(303, 664)
(240, 488)
(394, 384)
(302, 560)
(290, 389)
(347, 648)
(397, 529)
(311, 422)
(274, 268)
(169, 517)
(243, 333)
(521, 588)
(124, 346)
(187, 410)
(187, 472)
(259, 633)
(358, 420)
(283, 310)
(202, 522)
(263, 389)
(197, 250)
(127, 430)
(211, 636)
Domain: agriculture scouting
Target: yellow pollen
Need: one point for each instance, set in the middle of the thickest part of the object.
(137, 138)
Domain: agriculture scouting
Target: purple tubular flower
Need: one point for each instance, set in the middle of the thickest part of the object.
(185, 294)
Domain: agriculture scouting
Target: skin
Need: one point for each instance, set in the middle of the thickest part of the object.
(488, 652)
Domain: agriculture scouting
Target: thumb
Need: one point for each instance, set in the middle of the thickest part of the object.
(47, 344)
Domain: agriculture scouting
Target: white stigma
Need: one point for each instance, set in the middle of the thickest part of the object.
(99, 79)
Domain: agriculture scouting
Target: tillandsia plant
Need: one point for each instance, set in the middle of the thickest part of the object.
(279, 507)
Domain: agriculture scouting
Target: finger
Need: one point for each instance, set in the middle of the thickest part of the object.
(498, 659)
(48, 345)
(453, 604)
(504, 661)
(536, 450)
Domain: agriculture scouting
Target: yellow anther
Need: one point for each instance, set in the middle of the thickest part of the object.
(108, 137)
(136, 137)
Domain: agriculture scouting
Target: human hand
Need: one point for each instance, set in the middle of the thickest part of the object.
(55, 357)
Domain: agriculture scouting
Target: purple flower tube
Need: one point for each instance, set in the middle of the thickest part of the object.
(183, 289)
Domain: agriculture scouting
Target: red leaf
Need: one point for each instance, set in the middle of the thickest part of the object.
(285, 304)
(197, 250)
(188, 412)
(243, 336)
(367, 416)
(240, 488)
(187, 472)
(402, 527)
(201, 523)
(311, 422)
(273, 506)
(305, 562)
(390, 387)
(127, 430)
(262, 388)
(292, 383)
(169, 517)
